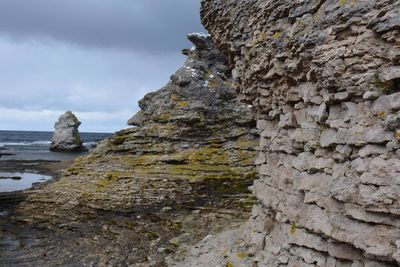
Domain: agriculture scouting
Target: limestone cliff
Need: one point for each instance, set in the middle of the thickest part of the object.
(150, 190)
(324, 78)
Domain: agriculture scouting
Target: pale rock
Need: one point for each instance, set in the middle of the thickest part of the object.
(330, 137)
(344, 150)
(396, 255)
(371, 95)
(341, 57)
(287, 121)
(390, 73)
(369, 150)
(392, 122)
(322, 113)
(386, 103)
(66, 137)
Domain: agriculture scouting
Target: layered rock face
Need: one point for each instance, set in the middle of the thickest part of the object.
(324, 78)
(66, 137)
(151, 190)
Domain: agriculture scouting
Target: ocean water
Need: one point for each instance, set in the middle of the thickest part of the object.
(25, 145)
(19, 145)
(26, 180)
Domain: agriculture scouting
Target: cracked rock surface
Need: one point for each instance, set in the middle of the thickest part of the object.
(324, 78)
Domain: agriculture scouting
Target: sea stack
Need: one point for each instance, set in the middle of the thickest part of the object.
(66, 137)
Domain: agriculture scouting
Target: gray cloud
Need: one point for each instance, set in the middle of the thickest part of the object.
(142, 25)
(94, 57)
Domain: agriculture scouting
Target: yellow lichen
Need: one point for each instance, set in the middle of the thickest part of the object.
(162, 117)
(229, 264)
(210, 73)
(213, 84)
(277, 35)
(342, 2)
(111, 177)
(259, 38)
(398, 135)
(241, 255)
(175, 97)
(183, 104)
(293, 228)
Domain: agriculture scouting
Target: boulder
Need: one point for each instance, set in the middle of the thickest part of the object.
(66, 137)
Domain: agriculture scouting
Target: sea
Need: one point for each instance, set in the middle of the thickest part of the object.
(29, 145)
(33, 146)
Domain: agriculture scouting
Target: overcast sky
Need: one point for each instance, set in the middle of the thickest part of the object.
(94, 57)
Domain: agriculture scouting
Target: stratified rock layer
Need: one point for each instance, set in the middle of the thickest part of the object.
(324, 78)
(66, 137)
(149, 191)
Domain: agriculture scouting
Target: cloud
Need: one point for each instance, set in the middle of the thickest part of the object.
(41, 120)
(39, 75)
(154, 26)
(94, 57)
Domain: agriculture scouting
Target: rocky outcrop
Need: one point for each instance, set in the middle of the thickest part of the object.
(149, 191)
(324, 79)
(66, 137)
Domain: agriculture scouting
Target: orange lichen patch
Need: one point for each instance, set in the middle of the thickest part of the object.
(382, 115)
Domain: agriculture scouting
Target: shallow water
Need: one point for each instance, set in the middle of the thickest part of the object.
(19, 145)
(26, 181)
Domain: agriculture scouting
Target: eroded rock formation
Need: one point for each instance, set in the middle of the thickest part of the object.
(149, 191)
(66, 137)
(324, 78)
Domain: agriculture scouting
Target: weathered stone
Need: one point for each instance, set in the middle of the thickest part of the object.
(371, 95)
(66, 137)
(386, 103)
(390, 74)
(342, 56)
(287, 121)
(369, 150)
(392, 121)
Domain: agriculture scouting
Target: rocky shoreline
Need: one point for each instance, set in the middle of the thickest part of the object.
(146, 195)
(147, 236)
(14, 234)
(8, 200)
